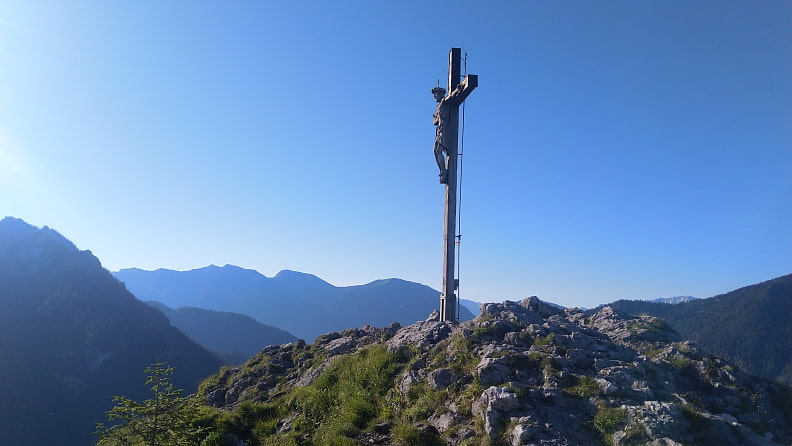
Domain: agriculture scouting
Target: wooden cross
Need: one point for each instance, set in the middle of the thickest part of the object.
(446, 118)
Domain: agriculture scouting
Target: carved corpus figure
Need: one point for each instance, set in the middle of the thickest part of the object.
(440, 118)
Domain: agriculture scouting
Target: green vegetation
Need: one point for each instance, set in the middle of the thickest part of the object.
(583, 386)
(423, 402)
(652, 352)
(457, 353)
(541, 342)
(167, 418)
(660, 324)
(485, 329)
(636, 434)
(680, 362)
(214, 380)
(249, 422)
(655, 324)
(405, 435)
(697, 421)
(346, 397)
(485, 317)
(349, 397)
(352, 395)
(636, 326)
(608, 419)
(467, 396)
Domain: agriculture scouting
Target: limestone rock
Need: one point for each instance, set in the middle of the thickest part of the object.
(528, 373)
(442, 378)
(422, 335)
(493, 403)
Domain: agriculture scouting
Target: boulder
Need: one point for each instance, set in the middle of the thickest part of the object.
(493, 403)
(422, 335)
(442, 378)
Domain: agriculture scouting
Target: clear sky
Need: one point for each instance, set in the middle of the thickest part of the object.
(613, 149)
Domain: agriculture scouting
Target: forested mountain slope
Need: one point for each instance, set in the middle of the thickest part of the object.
(751, 326)
(232, 335)
(71, 336)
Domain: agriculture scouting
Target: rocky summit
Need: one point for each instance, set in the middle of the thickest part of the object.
(522, 373)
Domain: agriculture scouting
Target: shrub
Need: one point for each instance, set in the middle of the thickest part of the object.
(660, 324)
(608, 419)
(680, 362)
(485, 329)
(408, 435)
(636, 434)
(423, 402)
(583, 386)
(460, 355)
(541, 342)
(698, 423)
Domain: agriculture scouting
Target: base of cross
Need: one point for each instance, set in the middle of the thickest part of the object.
(448, 311)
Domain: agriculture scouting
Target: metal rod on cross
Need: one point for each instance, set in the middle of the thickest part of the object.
(446, 152)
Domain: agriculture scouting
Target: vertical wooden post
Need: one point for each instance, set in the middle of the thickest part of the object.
(448, 301)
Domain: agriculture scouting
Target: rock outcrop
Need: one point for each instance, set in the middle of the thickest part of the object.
(522, 373)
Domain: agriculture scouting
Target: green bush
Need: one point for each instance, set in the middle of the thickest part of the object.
(583, 386)
(698, 423)
(423, 402)
(463, 358)
(485, 330)
(636, 434)
(541, 342)
(408, 435)
(661, 324)
(608, 419)
(680, 362)
(166, 418)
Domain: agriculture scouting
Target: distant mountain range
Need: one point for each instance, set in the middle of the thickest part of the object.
(751, 326)
(674, 300)
(299, 303)
(234, 337)
(71, 336)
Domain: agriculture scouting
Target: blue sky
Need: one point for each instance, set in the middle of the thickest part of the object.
(614, 149)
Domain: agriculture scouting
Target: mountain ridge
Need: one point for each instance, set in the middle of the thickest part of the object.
(300, 303)
(71, 335)
(674, 300)
(233, 336)
(751, 325)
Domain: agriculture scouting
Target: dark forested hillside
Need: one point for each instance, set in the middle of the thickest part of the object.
(751, 326)
(231, 334)
(71, 336)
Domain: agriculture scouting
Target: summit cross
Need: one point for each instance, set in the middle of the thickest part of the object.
(446, 118)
